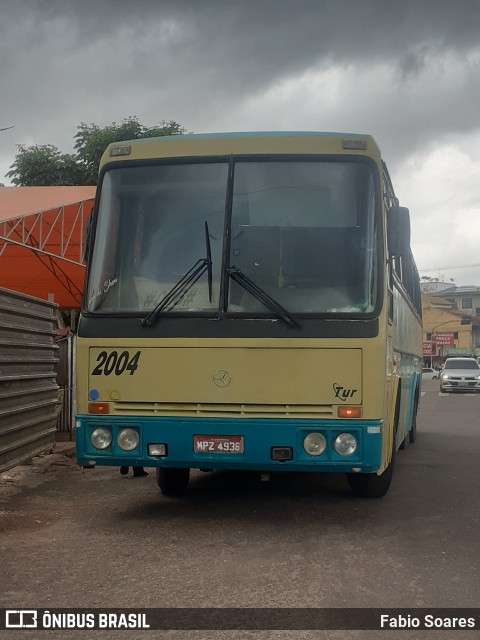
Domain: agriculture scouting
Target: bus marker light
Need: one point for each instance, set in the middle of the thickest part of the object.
(374, 429)
(349, 412)
(159, 449)
(359, 145)
(124, 150)
(98, 407)
(282, 453)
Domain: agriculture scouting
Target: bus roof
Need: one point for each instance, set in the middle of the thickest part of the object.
(256, 134)
(248, 142)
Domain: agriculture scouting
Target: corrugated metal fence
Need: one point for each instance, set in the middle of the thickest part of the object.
(28, 386)
(66, 381)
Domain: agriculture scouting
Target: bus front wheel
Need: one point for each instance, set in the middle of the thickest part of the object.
(370, 485)
(173, 481)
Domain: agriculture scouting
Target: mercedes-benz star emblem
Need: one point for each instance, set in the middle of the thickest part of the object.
(221, 378)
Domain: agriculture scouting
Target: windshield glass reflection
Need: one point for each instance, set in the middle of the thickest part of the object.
(303, 235)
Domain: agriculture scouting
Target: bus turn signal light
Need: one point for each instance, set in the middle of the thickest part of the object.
(98, 407)
(349, 412)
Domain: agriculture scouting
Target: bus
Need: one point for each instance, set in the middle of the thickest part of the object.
(251, 303)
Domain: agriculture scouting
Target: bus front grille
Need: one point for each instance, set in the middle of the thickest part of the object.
(233, 410)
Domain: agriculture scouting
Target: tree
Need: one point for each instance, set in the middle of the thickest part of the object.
(45, 165)
(91, 140)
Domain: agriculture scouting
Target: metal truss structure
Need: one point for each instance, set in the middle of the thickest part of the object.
(56, 238)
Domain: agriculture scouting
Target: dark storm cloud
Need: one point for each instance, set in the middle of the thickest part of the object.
(407, 71)
(252, 41)
(67, 61)
(256, 40)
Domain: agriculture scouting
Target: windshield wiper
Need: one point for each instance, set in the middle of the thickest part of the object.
(186, 282)
(250, 286)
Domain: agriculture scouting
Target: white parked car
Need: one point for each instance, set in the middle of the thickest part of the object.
(429, 374)
(460, 374)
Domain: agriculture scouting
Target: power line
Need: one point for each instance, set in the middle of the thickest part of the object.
(6, 128)
(463, 266)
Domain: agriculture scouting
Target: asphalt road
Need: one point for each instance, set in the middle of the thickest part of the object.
(92, 538)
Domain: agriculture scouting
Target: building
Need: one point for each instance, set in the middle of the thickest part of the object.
(466, 299)
(451, 324)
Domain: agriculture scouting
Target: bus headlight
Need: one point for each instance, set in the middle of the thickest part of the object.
(128, 439)
(101, 438)
(314, 444)
(345, 444)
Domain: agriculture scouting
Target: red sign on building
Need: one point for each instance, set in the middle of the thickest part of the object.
(447, 338)
(429, 349)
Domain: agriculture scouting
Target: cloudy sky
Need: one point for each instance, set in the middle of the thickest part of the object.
(407, 72)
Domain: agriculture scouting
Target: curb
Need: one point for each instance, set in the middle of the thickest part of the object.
(65, 449)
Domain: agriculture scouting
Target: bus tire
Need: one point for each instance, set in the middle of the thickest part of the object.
(173, 481)
(371, 485)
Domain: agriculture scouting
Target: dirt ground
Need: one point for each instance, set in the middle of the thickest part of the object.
(32, 474)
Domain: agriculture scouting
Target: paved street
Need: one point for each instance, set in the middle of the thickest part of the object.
(91, 538)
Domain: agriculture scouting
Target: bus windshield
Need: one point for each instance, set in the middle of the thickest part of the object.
(304, 231)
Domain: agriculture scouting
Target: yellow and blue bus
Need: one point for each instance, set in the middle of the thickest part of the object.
(251, 303)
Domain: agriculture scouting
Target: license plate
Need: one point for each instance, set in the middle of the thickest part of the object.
(218, 444)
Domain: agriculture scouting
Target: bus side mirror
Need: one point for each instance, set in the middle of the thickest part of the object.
(398, 231)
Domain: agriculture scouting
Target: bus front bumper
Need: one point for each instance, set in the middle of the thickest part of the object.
(218, 443)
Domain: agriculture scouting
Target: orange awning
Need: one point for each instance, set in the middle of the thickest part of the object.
(42, 240)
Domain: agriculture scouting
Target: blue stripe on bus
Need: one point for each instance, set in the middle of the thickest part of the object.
(411, 408)
(259, 436)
